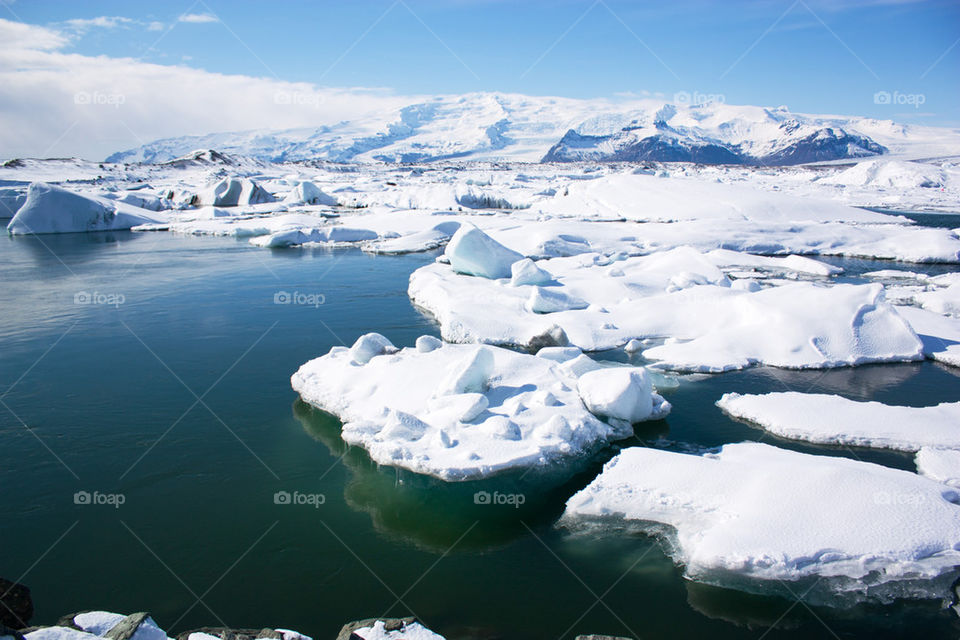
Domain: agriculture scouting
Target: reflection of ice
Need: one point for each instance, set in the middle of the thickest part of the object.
(754, 612)
(859, 383)
(433, 514)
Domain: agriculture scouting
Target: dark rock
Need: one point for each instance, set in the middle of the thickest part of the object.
(555, 336)
(390, 624)
(124, 629)
(68, 621)
(226, 633)
(16, 606)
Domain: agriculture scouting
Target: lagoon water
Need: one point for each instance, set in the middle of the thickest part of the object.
(154, 369)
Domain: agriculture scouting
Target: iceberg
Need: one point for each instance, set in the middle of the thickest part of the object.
(474, 253)
(753, 515)
(51, 209)
(462, 412)
(232, 192)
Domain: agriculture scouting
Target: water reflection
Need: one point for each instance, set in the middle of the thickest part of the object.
(433, 514)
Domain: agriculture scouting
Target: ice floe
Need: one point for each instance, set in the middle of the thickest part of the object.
(832, 419)
(681, 296)
(461, 412)
(753, 515)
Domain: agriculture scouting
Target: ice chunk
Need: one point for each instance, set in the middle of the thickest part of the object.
(832, 419)
(760, 512)
(543, 300)
(526, 271)
(428, 343)
(473, 411)
(307, 192)
(622, 393)
(472, 252)
(50, 209)
(368, 346)
(468, 375)
(942, 465)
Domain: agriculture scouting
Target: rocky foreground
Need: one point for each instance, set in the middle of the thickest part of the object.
(16, 610)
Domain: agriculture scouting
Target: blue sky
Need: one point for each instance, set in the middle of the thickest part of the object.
(819, 56)
(815, 56)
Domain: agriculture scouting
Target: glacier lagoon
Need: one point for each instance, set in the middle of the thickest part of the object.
(156, 368)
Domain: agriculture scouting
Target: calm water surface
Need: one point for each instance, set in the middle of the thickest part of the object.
(179, 400)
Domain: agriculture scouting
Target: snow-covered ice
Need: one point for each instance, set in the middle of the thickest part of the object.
(680, 295)
(753, 512)
(942, 465)
(832, 419)
(460, 412)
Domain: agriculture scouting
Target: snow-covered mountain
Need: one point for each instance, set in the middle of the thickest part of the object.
(494, 126)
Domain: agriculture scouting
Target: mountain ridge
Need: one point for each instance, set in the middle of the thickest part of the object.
(513, 127)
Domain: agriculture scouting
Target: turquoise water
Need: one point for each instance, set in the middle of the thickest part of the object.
(104, 398)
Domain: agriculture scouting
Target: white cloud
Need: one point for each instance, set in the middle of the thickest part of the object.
(156, 26)
(197, 18)
(54, 103)
(82, 25)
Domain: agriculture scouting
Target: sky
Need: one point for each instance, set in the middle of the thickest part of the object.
(90, 78)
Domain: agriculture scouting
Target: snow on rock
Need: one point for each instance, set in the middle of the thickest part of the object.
(97, 622)
(50, 209)
(620, 393)
(472, 252)
(409, 631)
(832, 419)
(678, 295)
(754, 512)
(232, 192)
(942, 465)
(307, 192)
(471, 411)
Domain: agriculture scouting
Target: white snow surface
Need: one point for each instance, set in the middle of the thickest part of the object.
(461, 412)
(757, 512)
(680, 295)
(832, 419)
(942, 465)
